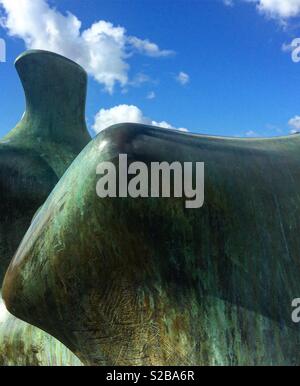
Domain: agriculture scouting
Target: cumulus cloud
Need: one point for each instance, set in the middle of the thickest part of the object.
(103, 49)
(126, 113)
(183, 78)
(278, 9)
(294, 123)
(283, 9)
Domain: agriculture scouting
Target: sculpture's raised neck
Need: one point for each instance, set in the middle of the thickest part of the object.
(55, 91)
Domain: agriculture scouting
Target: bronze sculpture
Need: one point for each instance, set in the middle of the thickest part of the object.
(33, 157)
(134, 281)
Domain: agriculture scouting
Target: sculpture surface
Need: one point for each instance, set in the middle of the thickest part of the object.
(33, 156)
(123, 281)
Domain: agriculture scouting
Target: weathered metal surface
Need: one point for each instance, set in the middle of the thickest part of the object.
(36, 153)
(33, 156)
(147, 281)
(25, 345)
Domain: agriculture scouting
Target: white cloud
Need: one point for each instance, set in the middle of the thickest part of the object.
(251, 133)
(228, 3)
(103, 49)
(183, 78)
(283, 9)
(148, 48)
(151, 95)
(278, 9)
(126, 113)
(139, 79)
(287, 47)
(294, 123)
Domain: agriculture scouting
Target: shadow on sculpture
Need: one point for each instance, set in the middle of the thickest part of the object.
(33, 157)
(123, 281)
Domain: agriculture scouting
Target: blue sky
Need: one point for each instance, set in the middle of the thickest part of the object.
(205, 66)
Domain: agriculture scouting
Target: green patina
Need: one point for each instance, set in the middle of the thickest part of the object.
(33, 157)
(147, 281)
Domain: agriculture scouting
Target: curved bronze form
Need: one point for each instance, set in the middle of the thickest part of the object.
(36, 153)
(146, 281)
(33, 156)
